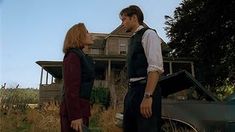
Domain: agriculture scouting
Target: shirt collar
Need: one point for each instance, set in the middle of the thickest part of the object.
(138, 29)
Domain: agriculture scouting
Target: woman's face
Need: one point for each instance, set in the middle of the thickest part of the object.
(88, 39)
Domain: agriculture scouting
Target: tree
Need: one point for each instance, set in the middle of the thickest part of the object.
(204, 30)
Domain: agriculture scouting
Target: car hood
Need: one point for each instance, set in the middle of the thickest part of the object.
(230, 98)
(182, 80)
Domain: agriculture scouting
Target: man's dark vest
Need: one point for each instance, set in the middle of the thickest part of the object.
(136, 60)
(87, 73)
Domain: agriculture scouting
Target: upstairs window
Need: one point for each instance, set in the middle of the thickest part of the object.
(122, 47)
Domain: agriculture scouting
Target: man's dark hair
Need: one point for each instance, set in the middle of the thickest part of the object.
(133, 10)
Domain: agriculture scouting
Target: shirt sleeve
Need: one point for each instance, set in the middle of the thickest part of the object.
(152, 47)
(72, 83)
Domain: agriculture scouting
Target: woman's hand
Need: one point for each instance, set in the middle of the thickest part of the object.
(77, 125)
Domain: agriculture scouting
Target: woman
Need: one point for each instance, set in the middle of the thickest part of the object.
(78, 74)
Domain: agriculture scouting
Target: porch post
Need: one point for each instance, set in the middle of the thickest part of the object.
(41, 76)
(47, 78)
(170, 66)
(192, 69)
(109, 72)
(51, 79)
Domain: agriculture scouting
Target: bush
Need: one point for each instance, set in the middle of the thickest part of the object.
(225, 90)
(100, 95)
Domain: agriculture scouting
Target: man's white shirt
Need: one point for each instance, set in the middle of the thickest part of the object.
(151, 43)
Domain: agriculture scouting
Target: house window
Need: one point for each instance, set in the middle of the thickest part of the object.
(95, 51)
(122, 47)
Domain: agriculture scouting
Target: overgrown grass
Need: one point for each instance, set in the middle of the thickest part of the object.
(47, 120)
(14, 122)
(17, 116)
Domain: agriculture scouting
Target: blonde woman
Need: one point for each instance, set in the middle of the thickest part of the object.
(78, 74)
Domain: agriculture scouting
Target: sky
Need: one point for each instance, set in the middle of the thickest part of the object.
(34, 30)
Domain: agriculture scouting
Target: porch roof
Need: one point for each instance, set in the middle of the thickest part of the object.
(52, 67)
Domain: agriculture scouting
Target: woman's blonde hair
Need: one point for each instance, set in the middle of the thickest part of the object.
(75, 37)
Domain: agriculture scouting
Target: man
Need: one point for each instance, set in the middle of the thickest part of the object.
(142, 105)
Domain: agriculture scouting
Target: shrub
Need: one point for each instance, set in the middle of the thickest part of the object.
(225, 90)
(100, 95)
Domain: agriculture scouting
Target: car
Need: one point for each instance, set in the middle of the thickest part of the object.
(187, 106)
(231, 98)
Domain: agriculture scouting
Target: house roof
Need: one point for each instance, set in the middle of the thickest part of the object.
(99, 40)
(121, 30)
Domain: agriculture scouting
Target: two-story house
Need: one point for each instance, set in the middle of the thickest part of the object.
(109, 53)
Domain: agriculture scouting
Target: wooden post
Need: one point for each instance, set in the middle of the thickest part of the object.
(192, 69)
(47, 78)
(41, 76)
(170, 66)
(109, 73)
(51, 79)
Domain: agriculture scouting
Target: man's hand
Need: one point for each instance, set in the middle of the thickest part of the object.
(146, 107)
(77, 125)
(146, 104)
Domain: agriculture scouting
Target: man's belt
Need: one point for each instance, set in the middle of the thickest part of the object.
(139, 82)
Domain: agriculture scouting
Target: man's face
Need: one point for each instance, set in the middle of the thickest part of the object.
(127, 22)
